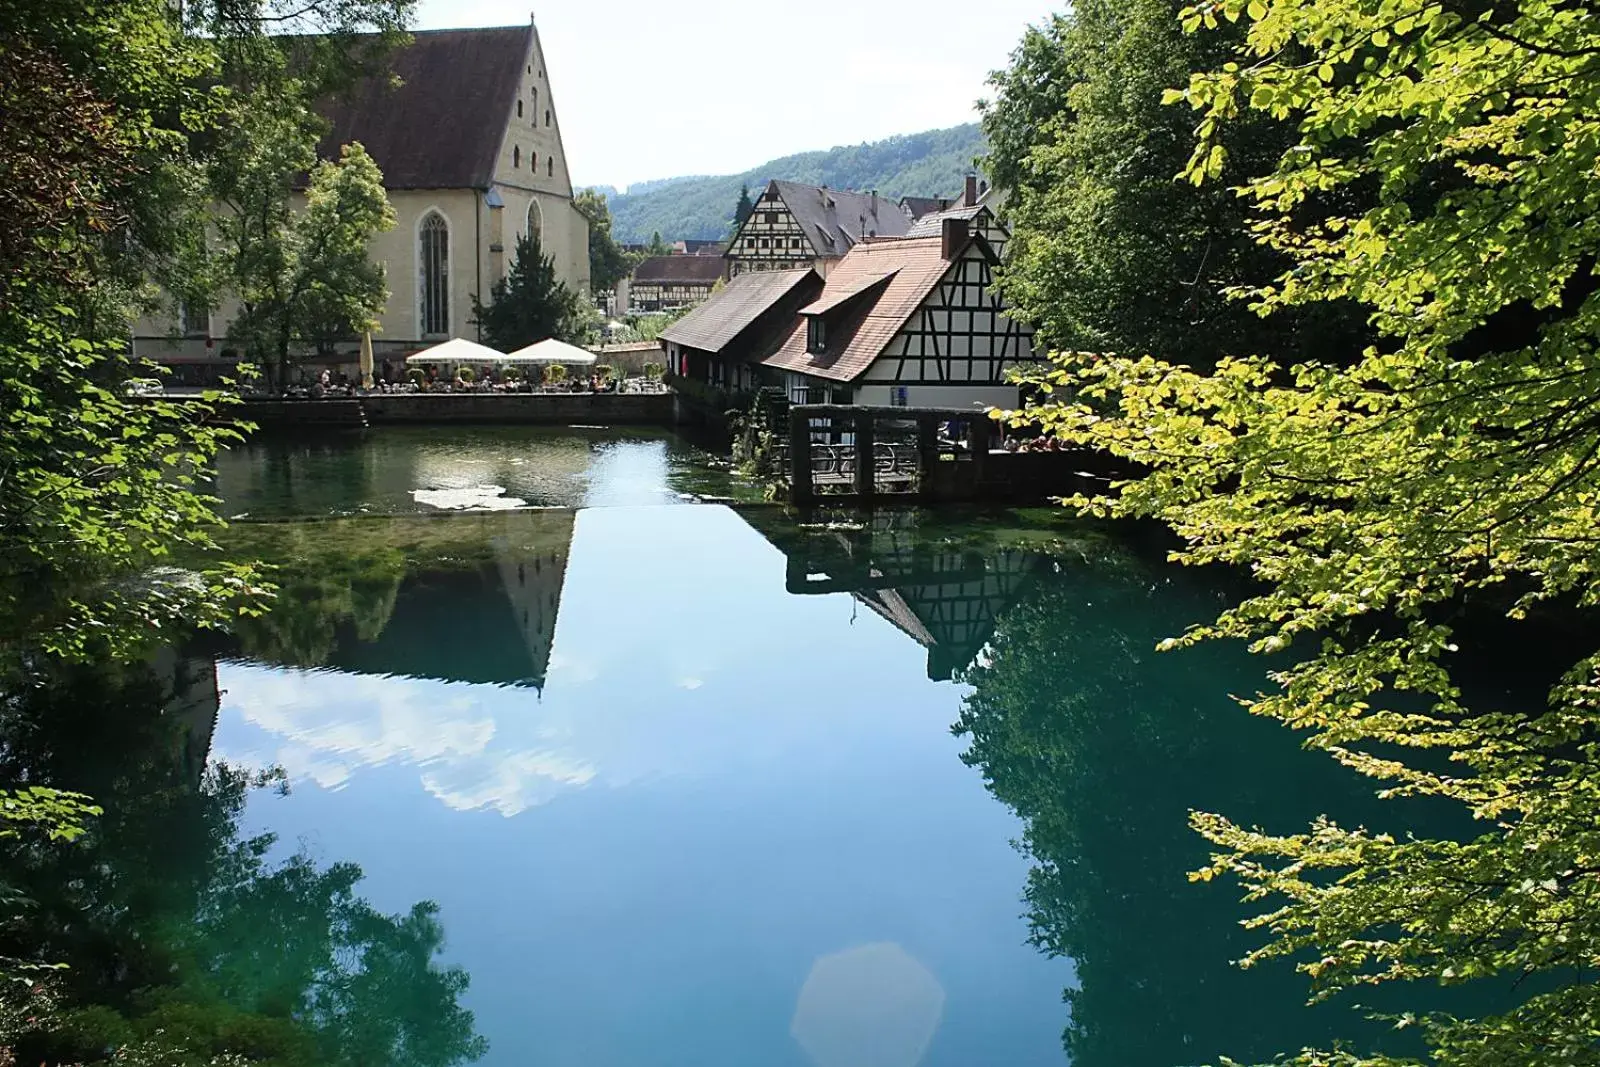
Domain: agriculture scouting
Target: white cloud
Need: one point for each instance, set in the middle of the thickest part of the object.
(328, 726)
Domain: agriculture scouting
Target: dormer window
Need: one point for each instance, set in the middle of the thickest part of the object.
(816, 335)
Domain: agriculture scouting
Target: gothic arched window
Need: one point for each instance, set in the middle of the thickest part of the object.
(535, 221)
(433, 261)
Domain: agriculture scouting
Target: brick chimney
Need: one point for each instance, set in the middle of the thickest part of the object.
(969, 194)
(952, 237)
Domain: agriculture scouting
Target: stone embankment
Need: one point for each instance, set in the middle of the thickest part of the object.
(532, 409)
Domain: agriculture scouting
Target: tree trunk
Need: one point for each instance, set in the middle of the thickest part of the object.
(283, 357)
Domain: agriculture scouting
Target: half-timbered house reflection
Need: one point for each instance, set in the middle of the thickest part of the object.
(944, 596)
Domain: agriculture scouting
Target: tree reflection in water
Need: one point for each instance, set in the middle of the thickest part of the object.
(178, 930)
(1102, 747)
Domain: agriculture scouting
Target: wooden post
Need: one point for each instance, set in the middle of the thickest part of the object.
(978, 443)
(800, 492)
(866, 476)
(927, 454)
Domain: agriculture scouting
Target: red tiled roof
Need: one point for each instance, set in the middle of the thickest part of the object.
(861, 334)
(833, 297)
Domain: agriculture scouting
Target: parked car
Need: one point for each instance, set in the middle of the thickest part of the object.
(143, 387)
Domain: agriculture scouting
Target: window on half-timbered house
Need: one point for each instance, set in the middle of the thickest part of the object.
(433, 259)
(816, 334)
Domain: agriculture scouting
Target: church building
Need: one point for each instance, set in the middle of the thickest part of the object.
(463, 125)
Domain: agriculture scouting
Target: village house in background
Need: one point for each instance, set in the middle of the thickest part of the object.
(971, 208)
(665, 282)
(470, 148)
(722, 343)
(794, 225)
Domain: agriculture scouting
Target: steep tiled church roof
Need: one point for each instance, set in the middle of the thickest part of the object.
(441, 127)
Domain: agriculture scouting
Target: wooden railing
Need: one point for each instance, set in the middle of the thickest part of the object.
(890, 449)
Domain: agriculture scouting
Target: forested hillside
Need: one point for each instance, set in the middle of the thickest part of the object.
(921, 164)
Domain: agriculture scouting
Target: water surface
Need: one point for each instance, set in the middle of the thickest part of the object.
(395, 470)
(709, 785)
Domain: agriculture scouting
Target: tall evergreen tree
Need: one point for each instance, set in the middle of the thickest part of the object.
(529, 304)
(742, 210)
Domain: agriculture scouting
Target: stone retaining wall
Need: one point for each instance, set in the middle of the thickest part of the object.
(538, 409)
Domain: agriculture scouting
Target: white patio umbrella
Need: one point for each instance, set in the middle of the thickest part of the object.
(457, 350)
(551, 351)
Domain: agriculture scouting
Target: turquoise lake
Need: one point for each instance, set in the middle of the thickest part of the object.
(704, 784)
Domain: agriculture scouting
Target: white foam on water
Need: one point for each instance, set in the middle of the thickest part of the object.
(472, 497)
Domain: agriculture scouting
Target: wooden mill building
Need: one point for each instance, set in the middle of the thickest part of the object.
(909, 321)
(722, 342)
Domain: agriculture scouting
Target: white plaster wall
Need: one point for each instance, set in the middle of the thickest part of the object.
(942, 396)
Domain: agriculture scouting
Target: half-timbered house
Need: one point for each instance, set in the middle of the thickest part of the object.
(794, 225)
(674, 281)
(723, 341)
(912, 321)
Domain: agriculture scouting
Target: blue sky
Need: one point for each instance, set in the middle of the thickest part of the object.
(650, 90)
